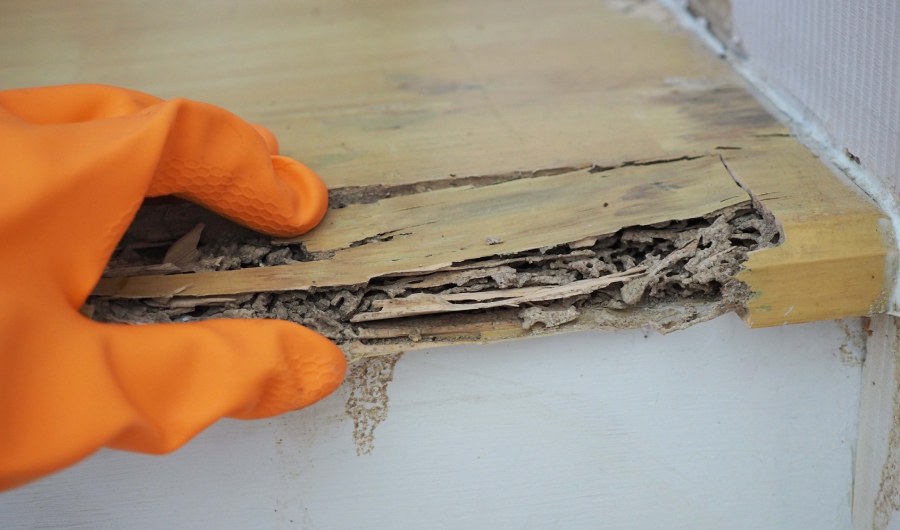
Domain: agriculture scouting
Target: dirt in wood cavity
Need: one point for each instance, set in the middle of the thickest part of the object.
(668, 263)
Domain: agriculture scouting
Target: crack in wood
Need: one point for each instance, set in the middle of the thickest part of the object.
(650, 162)
(163, 220)
(345, 196)
(342, 197)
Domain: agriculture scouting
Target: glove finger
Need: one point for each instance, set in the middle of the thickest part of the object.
(222, 162)
(73, 103)
(151, 388)
(211, 156)
(195, 373)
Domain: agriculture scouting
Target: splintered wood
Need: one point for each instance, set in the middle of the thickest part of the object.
(499, 169)
(418, 304)
(433, 230)
(665, 275)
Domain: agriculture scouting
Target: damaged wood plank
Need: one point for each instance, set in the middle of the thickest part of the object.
(474, 149)
(666, 276)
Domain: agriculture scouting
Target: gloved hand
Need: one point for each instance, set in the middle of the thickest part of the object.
(76, 162)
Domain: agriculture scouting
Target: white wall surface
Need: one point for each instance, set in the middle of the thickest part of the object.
(841, 60)
(716, 427)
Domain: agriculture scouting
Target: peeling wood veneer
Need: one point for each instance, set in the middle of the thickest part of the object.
(419, 304)
(433, 230)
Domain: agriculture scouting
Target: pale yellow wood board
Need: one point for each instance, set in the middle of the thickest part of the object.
(433, 230)
(833, 261)
(393, 92)
(397, 93)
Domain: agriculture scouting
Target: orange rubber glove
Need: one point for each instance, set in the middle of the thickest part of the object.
(76, 162)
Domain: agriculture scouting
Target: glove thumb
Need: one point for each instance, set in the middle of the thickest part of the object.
(151, 388)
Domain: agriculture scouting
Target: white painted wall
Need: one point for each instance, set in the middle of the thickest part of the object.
(717, 427)
(841, 61)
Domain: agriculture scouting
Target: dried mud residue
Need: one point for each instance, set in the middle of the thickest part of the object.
(689, 263)
(367, 404)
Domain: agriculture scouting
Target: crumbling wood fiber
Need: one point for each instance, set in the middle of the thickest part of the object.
(667, 276)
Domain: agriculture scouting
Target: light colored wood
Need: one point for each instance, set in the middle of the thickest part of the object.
(392, 92)
(431, 231)
(834, 260)
(393, 96)
(418, 304)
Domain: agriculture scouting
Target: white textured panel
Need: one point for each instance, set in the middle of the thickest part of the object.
(718, 427)
(841, 60)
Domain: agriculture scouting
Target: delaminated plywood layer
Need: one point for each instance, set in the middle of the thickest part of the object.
(669, 275)
(430, 231)
(440, 126)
